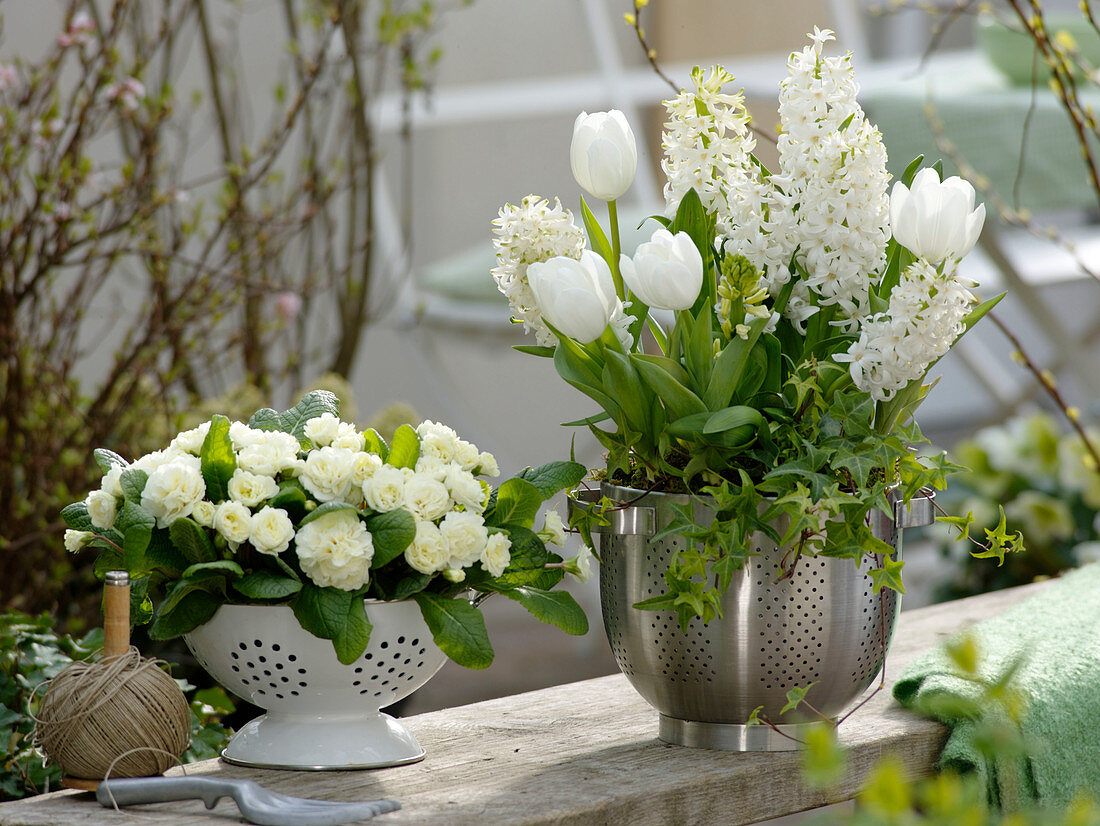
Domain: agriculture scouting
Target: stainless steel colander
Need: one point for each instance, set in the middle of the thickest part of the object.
(824, 625)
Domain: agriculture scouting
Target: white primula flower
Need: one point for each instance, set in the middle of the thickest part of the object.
(271, 531)
(364, 466)
(241, 435)
(335, 550)
(102, 509)
(533, 231)
(385, 489)
(553, 530)
(203, 513)
(580, 566)
(497, 554)
(321, 430)
(487, 465)
(427, 553)
(432, 466)
(329, 474)
(349, 437)
(171, 491)
(250, 489)
(158, 458)
(75, 540)
(465, 535)
(465, 489)
(190, 441)
(233, 521)
(426, 498)
(466, 454)
(112, 481)
(271, 453)
(437, 441)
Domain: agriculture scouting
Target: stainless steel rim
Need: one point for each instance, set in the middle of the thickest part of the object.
(732, 736)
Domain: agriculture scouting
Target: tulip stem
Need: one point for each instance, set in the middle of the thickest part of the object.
(616, 247)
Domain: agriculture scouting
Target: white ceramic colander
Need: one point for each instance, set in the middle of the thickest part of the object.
(321, 714)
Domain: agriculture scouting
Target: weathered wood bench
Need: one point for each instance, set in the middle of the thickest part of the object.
(582, 753)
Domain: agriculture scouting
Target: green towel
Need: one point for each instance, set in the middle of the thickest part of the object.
(1057, 633)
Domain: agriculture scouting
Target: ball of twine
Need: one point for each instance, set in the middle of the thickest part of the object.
(125, 717)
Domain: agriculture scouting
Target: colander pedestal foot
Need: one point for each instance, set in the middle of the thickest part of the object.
(323, 742)
(731, 736)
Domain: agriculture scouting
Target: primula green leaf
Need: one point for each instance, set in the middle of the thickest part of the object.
(192, 541)
(266, 419)
(527, 566)
(888, 576)
(76, 517)
(291, 498)
(313, 404)
(333, 614)
(405, 449)
(552, 607)
(107, 459)
(457, 628)
(412, 584)
(375, 443)
(218, 459)
(553, 477)
(217, 568)
(136, 526)
(163, 556)
(325, 510)
(132, 483)
(267, 585)
(518, 503)
(391, 533)
(183, 615)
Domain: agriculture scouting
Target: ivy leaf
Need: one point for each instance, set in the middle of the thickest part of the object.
(457, 628)
(999, 541)
(795, 697)
(963, 652)
(218, 459)
(824, 762)
(552, 607)
(888, 576)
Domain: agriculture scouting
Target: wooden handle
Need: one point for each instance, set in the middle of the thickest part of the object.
(116, 615)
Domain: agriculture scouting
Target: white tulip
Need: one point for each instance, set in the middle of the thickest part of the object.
(935, 220)
(666, 271)
(603, 154)
(577, 297)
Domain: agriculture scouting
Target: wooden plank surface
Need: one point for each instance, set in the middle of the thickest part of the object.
(581, 753)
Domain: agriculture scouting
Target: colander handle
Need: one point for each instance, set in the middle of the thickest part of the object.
(629, 521)
(919, 513)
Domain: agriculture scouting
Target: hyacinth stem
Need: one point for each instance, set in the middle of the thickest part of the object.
(616, 247)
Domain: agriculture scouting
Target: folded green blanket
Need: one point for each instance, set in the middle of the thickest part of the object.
(1057, 633)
